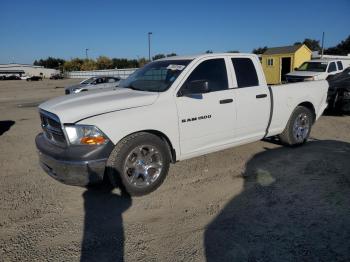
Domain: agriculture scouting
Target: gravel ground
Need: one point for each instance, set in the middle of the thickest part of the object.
(258, 202)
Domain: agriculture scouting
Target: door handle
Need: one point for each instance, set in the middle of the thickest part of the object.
(261, 96)
(226, 101)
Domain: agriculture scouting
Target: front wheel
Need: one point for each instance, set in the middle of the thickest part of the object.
(298, 127)
(140, 162)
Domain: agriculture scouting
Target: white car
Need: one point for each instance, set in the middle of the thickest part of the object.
(24, 77)
(93, 83)
(171, 110)
(319, 69)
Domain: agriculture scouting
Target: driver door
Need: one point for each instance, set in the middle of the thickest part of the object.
(99, 83)
(206, 120)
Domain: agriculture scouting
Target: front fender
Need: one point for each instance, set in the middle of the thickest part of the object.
(160, 117)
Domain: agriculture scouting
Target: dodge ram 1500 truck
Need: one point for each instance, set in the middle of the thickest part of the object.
(170, 110)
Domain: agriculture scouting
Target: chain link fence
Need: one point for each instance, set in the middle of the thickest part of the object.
(122, 73)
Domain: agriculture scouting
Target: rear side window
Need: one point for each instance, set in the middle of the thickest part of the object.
(340, 65)
(111, 80)
(245, 72)
(214, 72)
(332, 67)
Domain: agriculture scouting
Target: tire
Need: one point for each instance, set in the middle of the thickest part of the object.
(298, 127)
(139, 163)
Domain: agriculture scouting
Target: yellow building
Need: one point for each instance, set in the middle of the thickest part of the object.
(279, 61)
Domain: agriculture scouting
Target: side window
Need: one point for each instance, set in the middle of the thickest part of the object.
(214, 72)
(245, 72)
(270, 61)
(332, 67)
(99, 81)
(110, 80)
(340, 65)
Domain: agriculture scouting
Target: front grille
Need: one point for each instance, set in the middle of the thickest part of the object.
(51, 126)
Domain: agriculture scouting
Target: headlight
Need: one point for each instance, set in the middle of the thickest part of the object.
(312, 78)
(76, 90)
(85, 135)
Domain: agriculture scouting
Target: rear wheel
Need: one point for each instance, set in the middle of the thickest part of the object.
(140, 162)
(298, 127)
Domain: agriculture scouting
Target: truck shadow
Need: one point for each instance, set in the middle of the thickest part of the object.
(5, 126)
(295, 206)
(103, 237)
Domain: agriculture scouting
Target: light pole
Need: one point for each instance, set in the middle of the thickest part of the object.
(86, 53)
(322, 48)
(149, 46)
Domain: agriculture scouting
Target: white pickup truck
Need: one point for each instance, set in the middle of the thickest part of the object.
(319, 69)
(170, 110)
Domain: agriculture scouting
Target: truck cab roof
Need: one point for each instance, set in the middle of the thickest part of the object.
(198, 56)
(324, 60)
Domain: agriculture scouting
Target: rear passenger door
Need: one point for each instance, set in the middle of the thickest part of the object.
(332, 69)
(340, 66)
(111, 82)
(252, 99)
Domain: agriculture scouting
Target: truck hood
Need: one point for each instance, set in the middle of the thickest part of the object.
(304, 73)
(72, 108)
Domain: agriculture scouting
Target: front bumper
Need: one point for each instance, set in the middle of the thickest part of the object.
(76, 165)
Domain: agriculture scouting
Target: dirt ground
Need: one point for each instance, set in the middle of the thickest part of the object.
(258, 202)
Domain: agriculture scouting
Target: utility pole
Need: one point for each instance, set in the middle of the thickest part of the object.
(322, 48)
(86, 53)
(149, 46)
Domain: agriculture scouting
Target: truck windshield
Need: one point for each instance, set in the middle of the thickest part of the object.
(313, 66)
(156, 76)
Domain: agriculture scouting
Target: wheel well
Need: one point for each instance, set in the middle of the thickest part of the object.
(167, 141)
(311, 107)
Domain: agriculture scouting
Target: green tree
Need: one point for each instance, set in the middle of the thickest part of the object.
(312, 44)
(50, 62)
(259, 50)
(88, 65)
(142, 61)
(171, 54)
(73, 65)
(158, 56)
(232, 51)
(209, 51)
(104, 62)
(124, 63)
(343, 48)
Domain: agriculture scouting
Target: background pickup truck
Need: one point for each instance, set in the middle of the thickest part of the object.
(170, 110)
(320, 69)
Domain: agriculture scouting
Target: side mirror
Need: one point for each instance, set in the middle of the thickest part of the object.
(295, 69)
(196, 87)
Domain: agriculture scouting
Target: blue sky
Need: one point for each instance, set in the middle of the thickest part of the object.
(35, 29)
